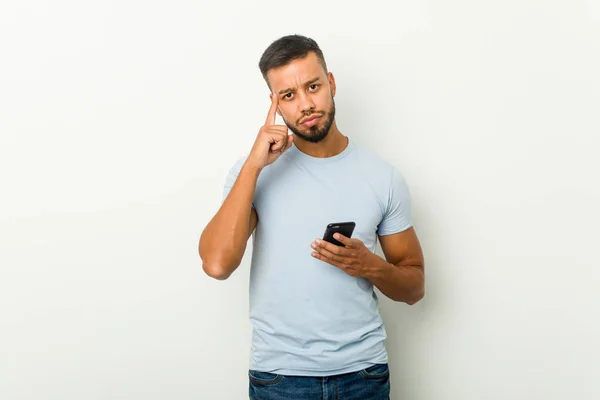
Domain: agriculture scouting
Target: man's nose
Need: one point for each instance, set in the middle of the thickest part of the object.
(307, 104)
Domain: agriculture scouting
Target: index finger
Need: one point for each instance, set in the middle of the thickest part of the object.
(273, 110)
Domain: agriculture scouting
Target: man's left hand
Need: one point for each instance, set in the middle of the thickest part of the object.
(354, 257)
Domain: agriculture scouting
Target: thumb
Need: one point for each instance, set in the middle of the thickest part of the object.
(290, 140)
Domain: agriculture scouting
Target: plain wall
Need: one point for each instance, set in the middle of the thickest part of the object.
(119, 121)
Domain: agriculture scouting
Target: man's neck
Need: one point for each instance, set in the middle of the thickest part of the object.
(333, 144)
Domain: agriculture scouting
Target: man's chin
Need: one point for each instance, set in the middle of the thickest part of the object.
(311, 137)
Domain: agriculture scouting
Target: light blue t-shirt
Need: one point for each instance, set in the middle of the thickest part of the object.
(310, 318)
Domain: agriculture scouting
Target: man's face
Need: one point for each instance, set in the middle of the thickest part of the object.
(305, 94)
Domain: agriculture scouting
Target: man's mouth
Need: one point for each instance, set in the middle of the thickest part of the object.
(311, 121)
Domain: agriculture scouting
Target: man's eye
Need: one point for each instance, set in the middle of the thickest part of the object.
(314, 86)
(287, 96)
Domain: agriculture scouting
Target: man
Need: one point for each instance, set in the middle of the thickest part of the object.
(317, 331)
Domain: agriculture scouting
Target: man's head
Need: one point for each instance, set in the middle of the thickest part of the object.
(295, 71)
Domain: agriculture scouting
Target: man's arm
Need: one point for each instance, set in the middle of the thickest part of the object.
(403, 275)
(223, 241)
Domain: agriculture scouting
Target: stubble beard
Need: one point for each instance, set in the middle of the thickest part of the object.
(314, 134)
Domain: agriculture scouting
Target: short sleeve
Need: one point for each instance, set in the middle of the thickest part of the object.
(232, 176)
(396, 217)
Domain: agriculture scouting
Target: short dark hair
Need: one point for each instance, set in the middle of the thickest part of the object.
(286, 49)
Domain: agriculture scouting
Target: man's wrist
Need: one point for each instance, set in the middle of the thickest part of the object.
(380, 270)
(250, 169)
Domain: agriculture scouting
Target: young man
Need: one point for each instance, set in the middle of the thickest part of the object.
(317, 331)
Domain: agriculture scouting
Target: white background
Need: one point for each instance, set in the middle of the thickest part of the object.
(120, 119)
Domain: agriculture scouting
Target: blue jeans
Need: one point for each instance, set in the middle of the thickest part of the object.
(372, 383)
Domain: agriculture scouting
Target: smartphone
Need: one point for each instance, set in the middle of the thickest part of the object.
(345, 228)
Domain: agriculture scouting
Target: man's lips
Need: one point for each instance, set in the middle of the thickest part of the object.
(311, 121)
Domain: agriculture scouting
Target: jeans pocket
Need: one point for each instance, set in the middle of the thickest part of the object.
(259, 378)
(377, 371)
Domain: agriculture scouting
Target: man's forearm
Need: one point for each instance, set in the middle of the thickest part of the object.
(223, 241)
(399, 282)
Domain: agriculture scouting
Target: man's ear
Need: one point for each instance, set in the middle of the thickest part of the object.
(331, 80)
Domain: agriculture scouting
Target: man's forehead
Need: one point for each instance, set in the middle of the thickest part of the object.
(297, 72)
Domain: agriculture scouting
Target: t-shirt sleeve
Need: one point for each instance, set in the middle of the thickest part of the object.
(232, 176)
(396, 217)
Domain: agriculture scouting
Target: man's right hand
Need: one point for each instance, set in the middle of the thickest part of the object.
(272, 140)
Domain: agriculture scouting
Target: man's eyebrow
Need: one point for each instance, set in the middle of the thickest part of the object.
(306, 84)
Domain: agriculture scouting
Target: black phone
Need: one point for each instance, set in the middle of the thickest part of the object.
(345, 228)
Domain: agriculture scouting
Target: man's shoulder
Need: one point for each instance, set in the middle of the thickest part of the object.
(371, 161)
